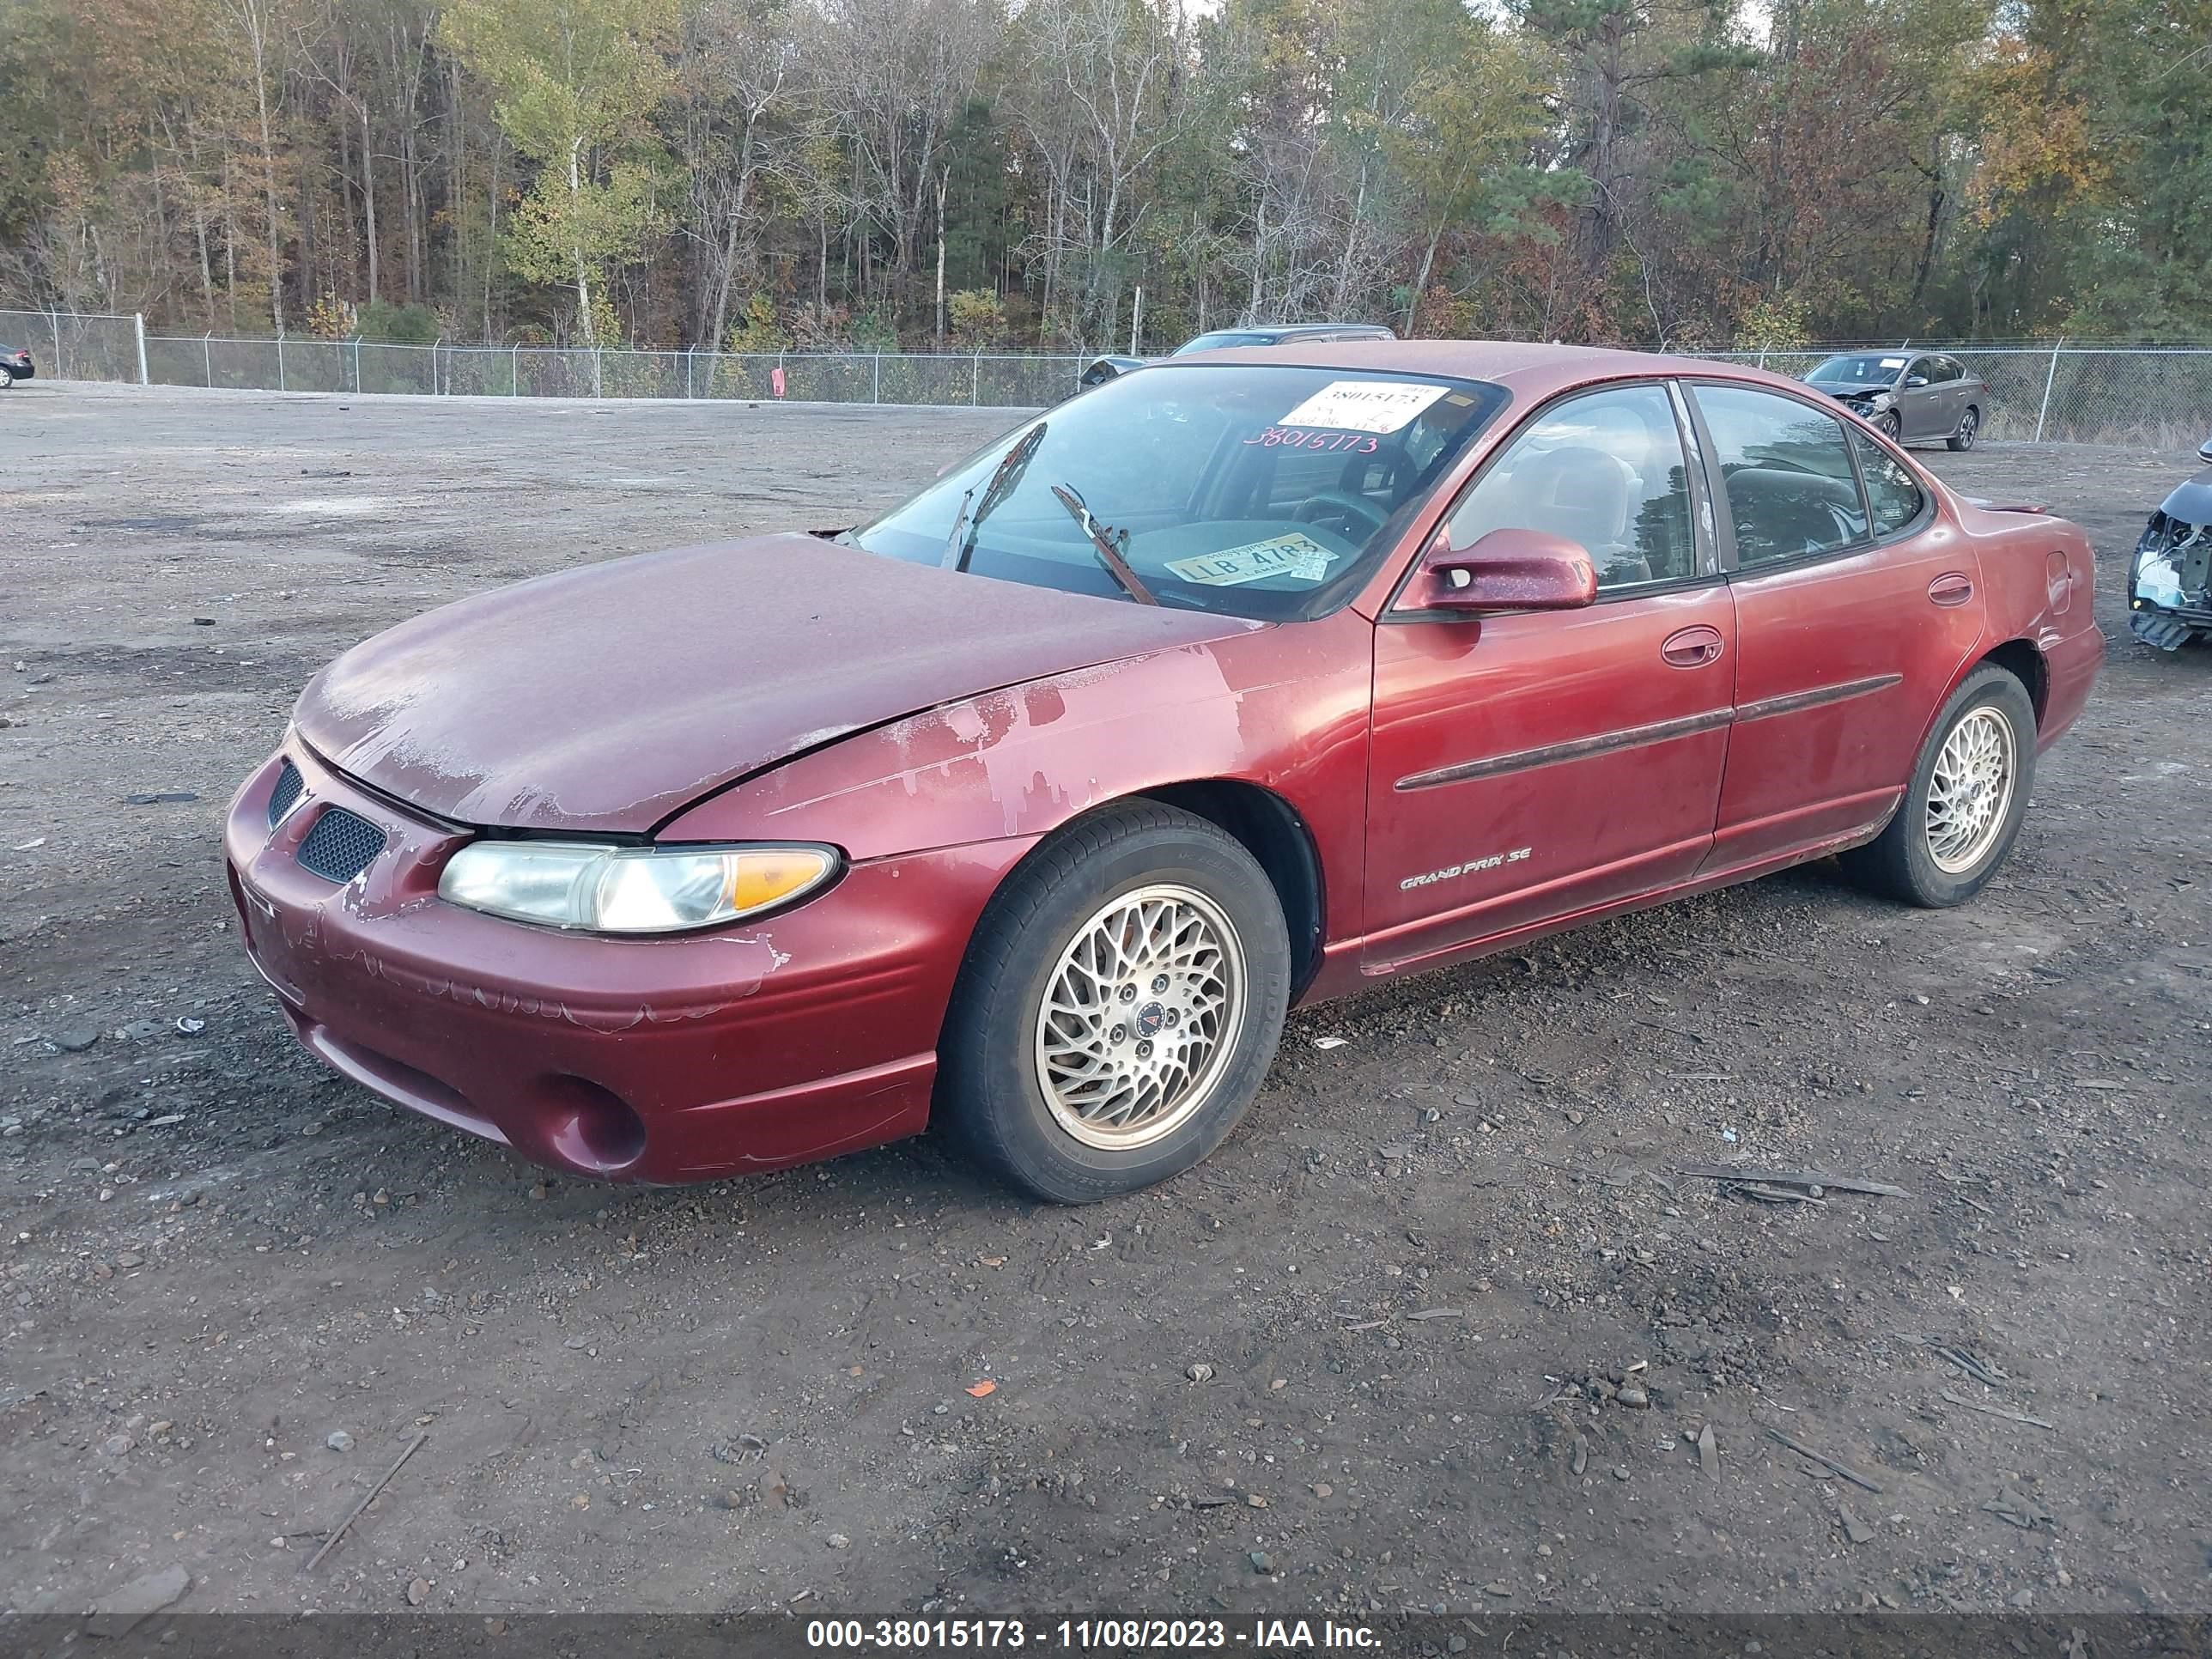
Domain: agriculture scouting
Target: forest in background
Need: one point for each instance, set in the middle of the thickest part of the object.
(1008, 174)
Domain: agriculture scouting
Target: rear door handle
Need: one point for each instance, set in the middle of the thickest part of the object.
(1951, 588)
(1692, 647)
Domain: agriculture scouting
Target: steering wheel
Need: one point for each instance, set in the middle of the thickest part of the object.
(1353, 509)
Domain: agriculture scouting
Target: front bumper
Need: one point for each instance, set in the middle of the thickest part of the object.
(743, 1049)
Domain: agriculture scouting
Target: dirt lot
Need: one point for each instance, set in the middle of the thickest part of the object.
(1408, 1272)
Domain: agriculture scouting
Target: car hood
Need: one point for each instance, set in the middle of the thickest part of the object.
(2191, 501)
(606, 698)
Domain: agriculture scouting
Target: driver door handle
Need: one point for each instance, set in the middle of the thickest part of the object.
(1692, 647)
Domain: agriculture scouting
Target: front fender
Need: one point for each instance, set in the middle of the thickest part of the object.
(1285, 708)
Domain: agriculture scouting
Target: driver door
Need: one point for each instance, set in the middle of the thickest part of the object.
(1527, 767)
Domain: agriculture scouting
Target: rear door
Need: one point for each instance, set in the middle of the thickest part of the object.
(1528, 766)
(1958, 388)
(1856, 606)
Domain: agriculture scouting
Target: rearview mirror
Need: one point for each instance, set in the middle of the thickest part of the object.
(1507, 569)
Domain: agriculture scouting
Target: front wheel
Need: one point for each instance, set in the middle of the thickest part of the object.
(1970, 424)
(1963, 807)
(1119, 1006)
(1890, 425)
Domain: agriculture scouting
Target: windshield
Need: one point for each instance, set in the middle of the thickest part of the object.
(1875, 369)
(1264, 491)
(1216, 341)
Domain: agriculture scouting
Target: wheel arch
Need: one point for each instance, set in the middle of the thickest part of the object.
(2024, 661)
(1276, 833)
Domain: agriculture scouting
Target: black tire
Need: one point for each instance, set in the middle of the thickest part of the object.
(1970, 425)
(7, 379)
(1890, 425)
(1901, 863)
(989, 1094)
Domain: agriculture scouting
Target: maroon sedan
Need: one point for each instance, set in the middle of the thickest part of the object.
(1031, 807)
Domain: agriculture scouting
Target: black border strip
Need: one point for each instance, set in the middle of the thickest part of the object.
(1819, 697)
(1633, 737)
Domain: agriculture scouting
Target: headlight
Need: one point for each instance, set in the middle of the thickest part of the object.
(629, 890)
(1880, 400)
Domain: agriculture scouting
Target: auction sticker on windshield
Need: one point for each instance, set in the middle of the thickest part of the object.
(1293, 555)
(1364, 405)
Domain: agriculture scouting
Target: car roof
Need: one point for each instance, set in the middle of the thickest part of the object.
(1287, 330)
(1527, 368)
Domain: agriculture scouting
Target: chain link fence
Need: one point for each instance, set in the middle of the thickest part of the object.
(69, 346)
(2160, 396)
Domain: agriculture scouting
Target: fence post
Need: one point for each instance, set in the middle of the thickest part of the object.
(54, 327)
(138, 327)
(975, 380)
(689, 352)
(207, 350)
(2047, 380)
(879, 377)
(280, 363)
(1762, 357)
(515, 370)
(356, 365)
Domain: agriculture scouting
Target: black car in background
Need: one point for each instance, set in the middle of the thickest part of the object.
(1915, 397)
(14, 365)
(1103, 369)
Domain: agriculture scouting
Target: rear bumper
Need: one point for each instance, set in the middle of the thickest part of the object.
(20, 371)
(740, 1049)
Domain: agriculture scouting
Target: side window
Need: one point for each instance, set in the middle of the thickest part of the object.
(1923, 370)
(1790, 487)
(1605, 471)
(1892, 492)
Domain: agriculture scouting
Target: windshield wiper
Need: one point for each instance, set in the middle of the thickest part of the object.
(1104, 541)
(960, 544)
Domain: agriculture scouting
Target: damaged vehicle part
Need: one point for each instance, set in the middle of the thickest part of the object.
(734, 857)
(2169, 574)
(1908, 397)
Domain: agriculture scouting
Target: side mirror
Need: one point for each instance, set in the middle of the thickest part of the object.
(1507, 569)
(2204, 450)
(1914, 382)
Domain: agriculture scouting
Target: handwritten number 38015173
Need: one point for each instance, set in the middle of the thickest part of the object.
(1353, 442)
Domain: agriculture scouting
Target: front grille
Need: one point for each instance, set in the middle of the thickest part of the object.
(340, 845)
(286, 794)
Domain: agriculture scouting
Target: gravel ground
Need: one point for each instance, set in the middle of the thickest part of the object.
(1456, 1323)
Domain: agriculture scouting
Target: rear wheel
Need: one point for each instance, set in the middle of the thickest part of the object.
(1963, 807)
(7, 380)
(1119, 1007)
(1970, 424)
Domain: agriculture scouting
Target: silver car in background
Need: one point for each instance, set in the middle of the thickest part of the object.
(1914, 397)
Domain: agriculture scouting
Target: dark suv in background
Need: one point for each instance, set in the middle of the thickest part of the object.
(1103, 369)
(1914, 397)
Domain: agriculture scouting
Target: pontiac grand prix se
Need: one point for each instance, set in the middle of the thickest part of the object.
(1029, 808)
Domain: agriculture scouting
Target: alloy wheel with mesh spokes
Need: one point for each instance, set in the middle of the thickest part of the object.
(1963, 804)
(1118, 1006)
(1970, 790)
(1140, 1016)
